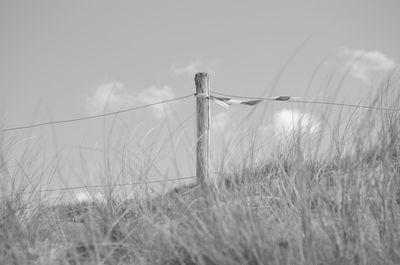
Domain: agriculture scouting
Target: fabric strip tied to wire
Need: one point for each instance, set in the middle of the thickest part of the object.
(226, 102)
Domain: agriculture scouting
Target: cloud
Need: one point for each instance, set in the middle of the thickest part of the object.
(155, 94)
(114, 96)
(194, 67)
(190, 69)
(287, 122)
(220, 122)
(85, 196)
(366, 65)
(108, 97)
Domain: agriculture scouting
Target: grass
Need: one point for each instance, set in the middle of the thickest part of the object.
(291, 208)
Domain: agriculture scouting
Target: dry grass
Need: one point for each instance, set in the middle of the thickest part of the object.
(290, 209)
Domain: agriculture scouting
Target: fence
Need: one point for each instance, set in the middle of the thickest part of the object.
(203, 96)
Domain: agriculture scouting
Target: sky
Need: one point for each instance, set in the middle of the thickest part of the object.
(69, 59)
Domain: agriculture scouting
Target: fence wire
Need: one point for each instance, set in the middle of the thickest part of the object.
(106, 185)
(296, 100)
(280, 98)
(93, 116)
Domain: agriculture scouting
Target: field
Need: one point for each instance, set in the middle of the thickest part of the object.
(291, 208)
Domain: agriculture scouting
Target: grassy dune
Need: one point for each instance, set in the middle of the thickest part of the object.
(290, 209)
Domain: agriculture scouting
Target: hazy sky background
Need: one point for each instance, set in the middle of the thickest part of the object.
(66, 59)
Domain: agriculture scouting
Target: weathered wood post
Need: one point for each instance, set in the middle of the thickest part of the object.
(202, 82)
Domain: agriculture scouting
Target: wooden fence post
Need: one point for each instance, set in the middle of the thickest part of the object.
(203, 126)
